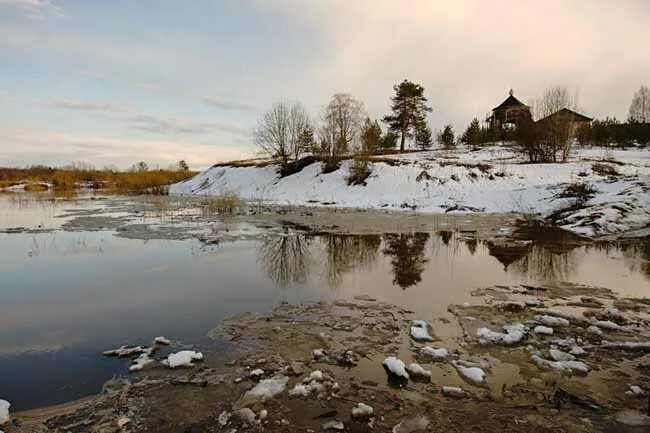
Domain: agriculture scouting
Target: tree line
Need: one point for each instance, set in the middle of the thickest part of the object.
(286, 132)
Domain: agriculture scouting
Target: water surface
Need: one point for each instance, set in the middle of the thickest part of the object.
(65, 296)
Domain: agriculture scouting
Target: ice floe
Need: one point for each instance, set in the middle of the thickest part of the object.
(184, 358)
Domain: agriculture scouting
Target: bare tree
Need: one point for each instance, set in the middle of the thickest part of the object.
(640, 106)
(279, 132)
(342, 125)
(556, 126)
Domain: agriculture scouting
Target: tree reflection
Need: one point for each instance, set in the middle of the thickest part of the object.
(285, 258)
(408, 260)
(346, 252)
(545, 265)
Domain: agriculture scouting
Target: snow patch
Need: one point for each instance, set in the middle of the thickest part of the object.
(431, 352)
(268, 388)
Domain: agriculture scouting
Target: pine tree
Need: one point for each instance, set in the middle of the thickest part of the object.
(423, 138)
(408, 105)
(371, 136)
(472, 135)
(389, 140)
(446, 138)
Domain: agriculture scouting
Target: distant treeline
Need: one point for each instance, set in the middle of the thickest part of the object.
(139, 178)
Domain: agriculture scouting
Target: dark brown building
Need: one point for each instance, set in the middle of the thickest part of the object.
(509, 112)
(566, 115)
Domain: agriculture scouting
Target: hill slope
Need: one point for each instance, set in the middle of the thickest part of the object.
(494, 179)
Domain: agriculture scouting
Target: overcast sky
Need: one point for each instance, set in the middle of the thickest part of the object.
(114, 82)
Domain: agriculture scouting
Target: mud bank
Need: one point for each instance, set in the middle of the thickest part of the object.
(521, 358)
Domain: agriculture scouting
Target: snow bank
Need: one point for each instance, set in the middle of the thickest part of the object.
(499, 184)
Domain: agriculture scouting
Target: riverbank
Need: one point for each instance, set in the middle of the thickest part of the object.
(598, 192)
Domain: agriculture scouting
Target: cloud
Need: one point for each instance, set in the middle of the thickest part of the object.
(149, 122)
(36, 9)
(225, 104)
(24, 148)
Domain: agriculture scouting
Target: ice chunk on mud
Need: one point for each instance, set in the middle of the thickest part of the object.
(184, 358)
(420, 331)
(362, 411)
(268, 388)
(558, 355)
(300, 390)
(635, 390)
(396, 367)
(141, 362)
(626, 345)
(246, 415)
(431, 352)
(416, 370)
(256, 374)
(162, 340)
(412, 425)
(4, 411)
(123, 351)
(319, 354)
(453, 391)
(541, 329)
(474, 375)
(565, 366)
(633, 418)
(512, 334)
(334, 425)
(594, 330)
(547, 320)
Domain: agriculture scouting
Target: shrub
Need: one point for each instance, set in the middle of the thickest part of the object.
(359, 171)
(604, 169)
(579, 191)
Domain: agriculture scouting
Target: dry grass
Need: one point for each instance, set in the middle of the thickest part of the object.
(225, 204)
(150, 181)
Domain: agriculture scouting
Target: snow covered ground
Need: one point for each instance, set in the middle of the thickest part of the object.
(494, 179)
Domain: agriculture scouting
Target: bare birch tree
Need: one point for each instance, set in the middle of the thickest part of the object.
(556, 126)
(640, 106)
(342, 124)
(279, 132)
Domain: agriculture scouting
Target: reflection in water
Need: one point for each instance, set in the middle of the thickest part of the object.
(344, 253)
(285, 258)
(408, 260)
(543, 264)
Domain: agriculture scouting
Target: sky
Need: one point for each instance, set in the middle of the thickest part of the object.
(115, 82)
